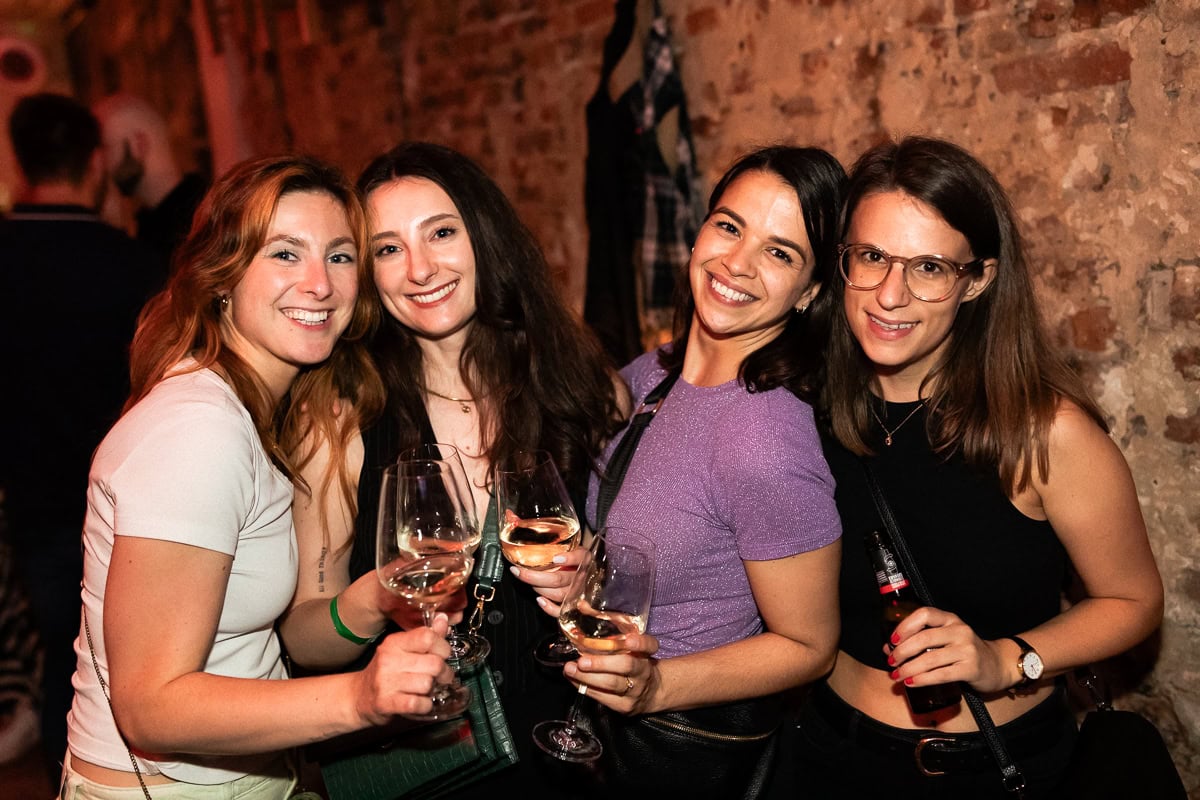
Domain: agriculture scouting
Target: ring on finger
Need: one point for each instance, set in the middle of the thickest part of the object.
(583, 687)
(628, 686)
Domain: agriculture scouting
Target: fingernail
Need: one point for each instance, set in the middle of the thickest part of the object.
(891, 661)
(515, 571)
(895, 638)
(541, 601)
(908, 681)
(559, 559)
(894, 674)
(584, 663)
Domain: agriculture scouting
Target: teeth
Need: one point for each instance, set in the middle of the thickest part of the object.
(433, 297)
(307, 317)
(887, 326)
(730, 294)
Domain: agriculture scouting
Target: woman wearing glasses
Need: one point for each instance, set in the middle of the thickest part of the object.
(1000, 474)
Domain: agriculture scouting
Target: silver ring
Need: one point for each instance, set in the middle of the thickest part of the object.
(628, 686)
(583, 687)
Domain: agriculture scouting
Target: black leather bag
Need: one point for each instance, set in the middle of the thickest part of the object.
(722, 752)
(1120, 754)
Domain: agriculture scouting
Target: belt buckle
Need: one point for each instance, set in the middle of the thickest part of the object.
(919, 749)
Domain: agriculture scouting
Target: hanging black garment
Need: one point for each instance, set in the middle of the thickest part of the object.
(613, 205)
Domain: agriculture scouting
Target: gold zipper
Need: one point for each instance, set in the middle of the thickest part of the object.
(706, 734)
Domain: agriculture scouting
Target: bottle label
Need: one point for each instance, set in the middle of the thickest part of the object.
(890, 582)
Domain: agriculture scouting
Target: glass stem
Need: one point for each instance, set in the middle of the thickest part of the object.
(576, 710)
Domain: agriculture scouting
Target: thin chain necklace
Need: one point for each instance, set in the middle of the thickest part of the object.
(887, 439)
(463, 402)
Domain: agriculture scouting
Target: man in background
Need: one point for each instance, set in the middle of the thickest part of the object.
(142, 163)
(73, 286)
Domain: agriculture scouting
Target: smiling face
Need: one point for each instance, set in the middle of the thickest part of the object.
(297, 295)
(904, 337)
(752, 265)
(424, 261)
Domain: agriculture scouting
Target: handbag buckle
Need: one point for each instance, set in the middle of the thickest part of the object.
(920, 748)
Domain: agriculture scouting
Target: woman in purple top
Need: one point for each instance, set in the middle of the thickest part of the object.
(730, 482)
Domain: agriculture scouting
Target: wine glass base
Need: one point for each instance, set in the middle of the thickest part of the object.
(467, 650)
(567, 742)
(449, 701)
(555, 651)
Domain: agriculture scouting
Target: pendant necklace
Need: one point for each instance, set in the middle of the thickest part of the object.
(462, 401)
(887, 439)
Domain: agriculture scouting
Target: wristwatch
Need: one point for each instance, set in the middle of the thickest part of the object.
(1029, 662)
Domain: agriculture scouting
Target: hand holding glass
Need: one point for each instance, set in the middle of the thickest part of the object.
(537, 522)
(423, 552)
(609, 599)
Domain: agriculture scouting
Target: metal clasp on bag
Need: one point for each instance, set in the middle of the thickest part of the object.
(920, 748)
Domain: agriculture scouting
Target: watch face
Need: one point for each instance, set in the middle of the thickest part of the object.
(1032, 666)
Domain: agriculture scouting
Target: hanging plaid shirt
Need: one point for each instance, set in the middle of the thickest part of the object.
(673, 210)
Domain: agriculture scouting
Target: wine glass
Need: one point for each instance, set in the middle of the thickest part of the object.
(423, 552)
(537, 522)
(609, 598)
(468, 649)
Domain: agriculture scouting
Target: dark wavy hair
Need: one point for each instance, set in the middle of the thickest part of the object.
(995, 392)
(791, 359)
(540, 376)
(184, 319)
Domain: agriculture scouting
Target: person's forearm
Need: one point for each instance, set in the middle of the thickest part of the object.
(311, 637)
(760, 665)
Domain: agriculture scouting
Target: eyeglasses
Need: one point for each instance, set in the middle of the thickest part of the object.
(928, 278)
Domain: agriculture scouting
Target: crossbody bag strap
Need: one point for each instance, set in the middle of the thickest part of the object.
(1014, 780)
(104, 691)
(489, 566)
(614, 472)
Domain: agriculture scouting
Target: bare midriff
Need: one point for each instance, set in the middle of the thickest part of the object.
(874, 693)
(114, 777)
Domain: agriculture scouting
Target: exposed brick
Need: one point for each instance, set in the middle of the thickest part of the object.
(1048, 18)
(1187, 362)
(1185, 294)
(1091, 65)
(702, 21)
(1185, 430)
(1091, 13)
(589, 13)
(1092, 328)
(964, 7)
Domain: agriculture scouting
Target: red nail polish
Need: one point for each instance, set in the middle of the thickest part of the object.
(908, 681)
(894, 674)
(895, 638)
(891, 661)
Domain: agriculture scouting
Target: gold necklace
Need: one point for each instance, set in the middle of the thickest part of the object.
(887, 439)
(462, 401)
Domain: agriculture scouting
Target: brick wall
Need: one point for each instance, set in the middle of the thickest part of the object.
(1088, 112)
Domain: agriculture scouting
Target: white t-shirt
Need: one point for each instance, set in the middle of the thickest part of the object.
(186, 465)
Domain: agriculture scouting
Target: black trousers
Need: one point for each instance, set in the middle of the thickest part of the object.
(839, 752)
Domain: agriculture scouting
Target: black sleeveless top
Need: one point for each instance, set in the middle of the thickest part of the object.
(1000, 571)
(513, 624)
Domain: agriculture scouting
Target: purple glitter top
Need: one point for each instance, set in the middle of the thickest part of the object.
(721, 475)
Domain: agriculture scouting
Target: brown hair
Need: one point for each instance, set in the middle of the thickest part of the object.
(997, 389)
(230, 225)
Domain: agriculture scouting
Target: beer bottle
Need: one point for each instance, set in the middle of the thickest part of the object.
(900, 600)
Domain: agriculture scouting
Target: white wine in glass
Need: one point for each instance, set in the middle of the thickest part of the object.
(423, 554)
(537, 523)
(467, 649)
(609, 599)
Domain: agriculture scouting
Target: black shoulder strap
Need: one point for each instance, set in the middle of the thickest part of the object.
(614, 472)
(1014, 781)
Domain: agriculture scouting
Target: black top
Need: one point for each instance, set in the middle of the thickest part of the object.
(999, 570)
(513, 624)
(167, 224)
(73, 286)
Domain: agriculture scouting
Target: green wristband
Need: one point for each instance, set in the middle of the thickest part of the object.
(343, 631)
